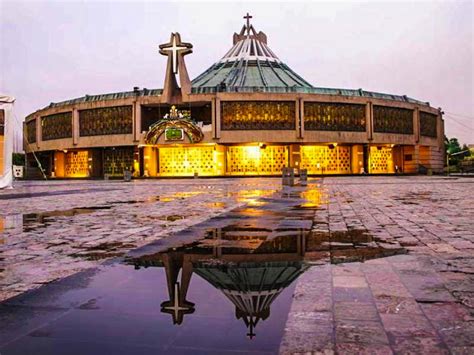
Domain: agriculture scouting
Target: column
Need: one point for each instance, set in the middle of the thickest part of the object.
(213, 118)
(297, 118)
(440, 130)
(218, 118)
(416, 124)
(39, 132)
(301, 118)
(416, 157)
(137, 120)
(75, 126)
(369, 120)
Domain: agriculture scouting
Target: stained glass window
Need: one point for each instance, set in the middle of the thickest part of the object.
(258, 115)
(393, 120)
(320, 116)
(428, 124)
(107, 120)
(31, 131)
(56, 126)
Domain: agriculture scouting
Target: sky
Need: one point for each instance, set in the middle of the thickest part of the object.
(52, 51)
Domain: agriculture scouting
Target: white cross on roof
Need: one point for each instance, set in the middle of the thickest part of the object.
(174, 49)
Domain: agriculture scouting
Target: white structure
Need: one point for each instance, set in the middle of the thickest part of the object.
(6, 141)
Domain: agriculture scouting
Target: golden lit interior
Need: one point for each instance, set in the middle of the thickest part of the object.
(256, 159)
(326, 159)
(76, 164)
(381, 160)
(205, 160)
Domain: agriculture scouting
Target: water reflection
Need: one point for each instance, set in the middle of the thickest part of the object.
(32, 221)
(9, 222)
(251, 266)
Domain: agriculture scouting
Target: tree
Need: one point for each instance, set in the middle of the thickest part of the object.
(452, 146)
(18, 159)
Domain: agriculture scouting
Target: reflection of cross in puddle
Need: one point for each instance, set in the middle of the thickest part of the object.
(177, 306)
(249, 277)
(251, 262)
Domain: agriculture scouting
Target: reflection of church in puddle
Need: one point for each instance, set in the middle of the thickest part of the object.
(251, 269)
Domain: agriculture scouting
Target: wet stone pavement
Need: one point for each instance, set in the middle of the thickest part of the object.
(353, 265)
(67, 227)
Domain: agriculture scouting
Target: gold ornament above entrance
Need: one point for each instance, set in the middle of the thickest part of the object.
(175, 125)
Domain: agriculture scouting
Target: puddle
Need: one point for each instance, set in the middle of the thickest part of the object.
(103, 251)
(250, 267)
(223, 285)
(173, 218)
(220, 205)
(251, 260)
(32, 221)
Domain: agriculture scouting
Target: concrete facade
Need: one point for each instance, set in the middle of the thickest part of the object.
(425, 151)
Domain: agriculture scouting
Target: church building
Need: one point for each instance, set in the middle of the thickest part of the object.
(248, 114)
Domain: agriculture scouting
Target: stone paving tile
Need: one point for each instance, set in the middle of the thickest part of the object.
(421, 302)
(355, 311)
(387, 304)
(352, 294)
(418, 303)
(407, 325)
(419, 345)
(363, 349)
(97, 220)
(360, 331)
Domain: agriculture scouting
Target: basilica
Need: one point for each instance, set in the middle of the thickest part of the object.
(248, 114)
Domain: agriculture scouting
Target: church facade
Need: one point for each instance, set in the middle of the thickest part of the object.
(248, 114)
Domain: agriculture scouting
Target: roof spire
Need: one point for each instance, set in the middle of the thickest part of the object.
(248, 17)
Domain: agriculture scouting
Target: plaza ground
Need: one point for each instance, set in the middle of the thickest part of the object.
(405, 287)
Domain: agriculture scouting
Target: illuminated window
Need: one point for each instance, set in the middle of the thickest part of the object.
(319, 116)
(76, 164)
(256, 160)
(381, 160)
(323, 159)
(258, 115)
(186, 161)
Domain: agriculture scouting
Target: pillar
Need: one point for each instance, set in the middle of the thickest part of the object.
(150, 161)
(75, 126)
(416, 157)
(213, 118)
(440, 133)
(137, 121)
(357, 158)
(39, 131)
(295, 155)
(369, 120)
(301, 118)
(416, 124)
(218, 119)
